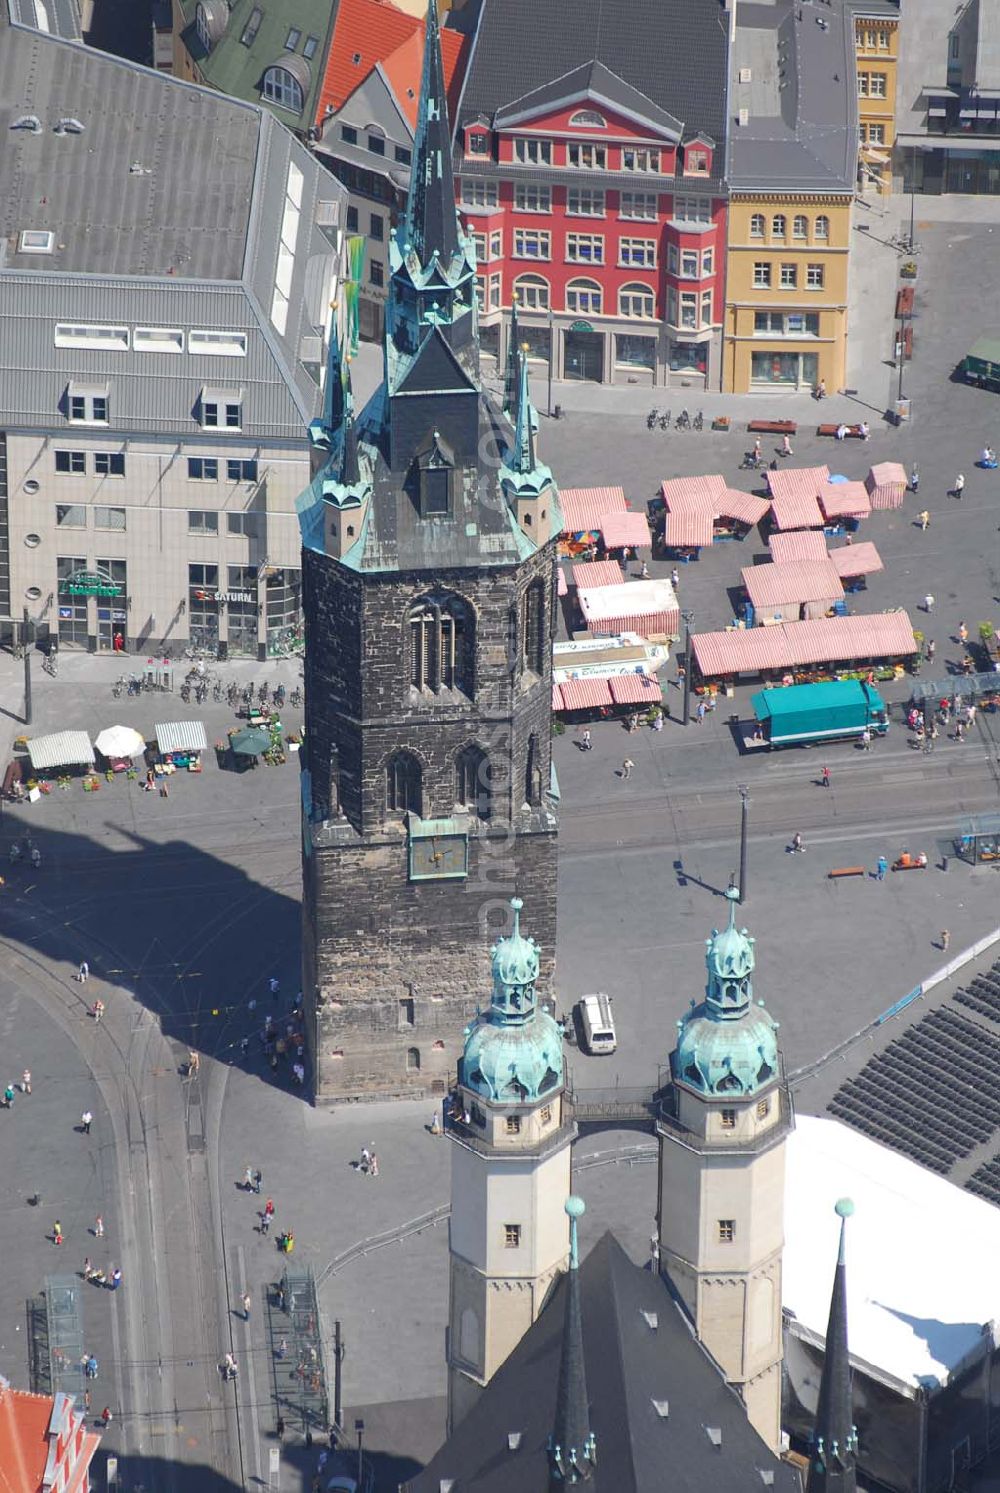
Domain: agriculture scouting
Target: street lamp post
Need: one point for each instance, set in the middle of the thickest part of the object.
(744, 793)
(688, 617)
(552, 354)
(359, 1426)
(26, 632)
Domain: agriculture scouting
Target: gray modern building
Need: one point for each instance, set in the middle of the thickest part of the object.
(948, 108)
(168, 259)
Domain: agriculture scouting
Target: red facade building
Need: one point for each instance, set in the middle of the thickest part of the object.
(594, 205)
(45, 1445)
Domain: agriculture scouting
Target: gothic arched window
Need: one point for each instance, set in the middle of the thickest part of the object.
(403, 784)
(533, 628)
(533, 772)
(473, 781)
(441, 644)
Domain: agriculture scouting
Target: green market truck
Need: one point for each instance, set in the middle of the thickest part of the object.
(802, 714)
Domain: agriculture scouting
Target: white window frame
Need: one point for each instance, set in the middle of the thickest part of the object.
(637, 302)
(788, 276)
(635, 207)
(157, 340)
(821, 229)
(644, 247)
(641, 160)
(585, 202)
(594, 242)
(591, 291)
(532, 197)
(531, 150)
(476, 186)
(700, 208)
(91, 414)
(281, 87)
(524, 236)
(815, 277)
(98, 338)
(762, 274)
(758, 227)
(586, 155)
(534, 293)
(800, 228)
(690, 264)
(496, 243)
(218, 343)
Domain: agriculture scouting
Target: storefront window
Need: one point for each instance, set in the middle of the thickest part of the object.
(72, 609)
(688, 357)
(635, 352)
(537, 340)
(241, 609)
(787, 369)
(284, 612)
(112, 616)
(203, 606)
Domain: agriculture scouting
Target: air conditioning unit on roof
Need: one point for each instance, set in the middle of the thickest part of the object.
(744, 118)
(745, 75)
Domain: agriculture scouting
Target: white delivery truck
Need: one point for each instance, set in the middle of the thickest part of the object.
(597, 1024)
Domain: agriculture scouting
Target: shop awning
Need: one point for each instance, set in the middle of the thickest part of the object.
(583, 508)
(887, 635)
(557, 699)
(856, 559)
(700, 494)
(597, 573)
(886, 484)
(621, 529)
(800, 544)
(181, 736)
(792, 584)
(561, 585)
(585, 694)
(845, 500)
(797, 511)
(687, 528)
(635, 689)
(643, 607)
(742, 507)
(61, 749)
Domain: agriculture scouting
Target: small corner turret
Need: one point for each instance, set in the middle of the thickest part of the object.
(527, 482)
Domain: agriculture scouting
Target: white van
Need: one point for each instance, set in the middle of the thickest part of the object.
(597, 1023)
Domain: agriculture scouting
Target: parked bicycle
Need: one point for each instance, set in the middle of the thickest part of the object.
(651, 419)
(665, 421)
(49, 665)
(683, 421)
(295, 698)
(699, 421)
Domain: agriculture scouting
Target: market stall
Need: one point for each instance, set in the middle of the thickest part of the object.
(179, 744)
(791, 590)
(686, 533)
(597, 573)
(625, 531)
(731, 513)
(583, 511)
(799, 544)
(62, 749)
(642, 690)
(804, 651)
(119, 745)
(886, 485)
(842, 501)
(854, 561)
(794, 501)
(585, 694)
(648, 608)
(737, 513)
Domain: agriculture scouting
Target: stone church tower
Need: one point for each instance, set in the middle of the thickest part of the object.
(722, 1177)
(429, 532)
(510, 1174)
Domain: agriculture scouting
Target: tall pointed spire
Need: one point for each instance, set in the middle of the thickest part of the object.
(524, 425)
(510, 373)
(572, 1445)
(323, 432)
(431, 225)
(835, 1439)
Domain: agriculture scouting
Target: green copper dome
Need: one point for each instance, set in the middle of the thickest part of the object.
(727, 1044)
(513, 1053)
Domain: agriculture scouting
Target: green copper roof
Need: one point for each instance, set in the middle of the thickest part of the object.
(237, 67)
(727, 1044)
(514, 1052)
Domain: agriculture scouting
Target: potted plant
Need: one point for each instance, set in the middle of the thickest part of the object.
(908, 269)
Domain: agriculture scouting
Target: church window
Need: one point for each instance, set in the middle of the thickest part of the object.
(403, 786)
(763, 1108)
(513, 1124)
(533, 773)
(512, 1236)
(441, 636)
(473, 781)
(413, 1060)
(729, 1119)
(727, 1230)
(533, 631)
(406, 1012)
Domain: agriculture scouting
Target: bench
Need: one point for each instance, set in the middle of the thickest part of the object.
(908, 342)
(772, 427)
(904, 301)
(847, 871)
(853, 431)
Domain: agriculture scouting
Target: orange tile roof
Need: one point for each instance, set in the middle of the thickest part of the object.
(374, 31)
(24, 1447)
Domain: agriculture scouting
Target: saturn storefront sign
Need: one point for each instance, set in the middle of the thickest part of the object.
(223, 598)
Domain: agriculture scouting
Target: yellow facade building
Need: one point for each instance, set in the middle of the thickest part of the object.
(792, 171)
(876, 41)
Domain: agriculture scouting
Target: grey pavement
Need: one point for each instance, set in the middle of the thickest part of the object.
(185, 907)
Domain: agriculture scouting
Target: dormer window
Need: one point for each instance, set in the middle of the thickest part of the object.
(477, 143)
(588, 119)
(698, 158)
(437, 478)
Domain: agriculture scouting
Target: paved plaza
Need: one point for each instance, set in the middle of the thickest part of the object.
(186, 907)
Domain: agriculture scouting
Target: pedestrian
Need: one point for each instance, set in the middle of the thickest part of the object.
(928, 603)
(586, 743)
(98, 1227)
(97, 1011)
(797, 847)
(106, 1417)
(8, 1097)
(963, 633)
(373, 1169)
(86, 1120)
(881, 868)
(945, 939)
(84, 973)
(931, 650)
(116, 1279)
(26, 1081)
(366, 1159)
(57, 1233)
(700, 712)
(959, 487)
(88, 1268)
(959, 731)
(164, 790)
(757, 452)
(675, 578)
(914, 479)
(273, 986)
(246, 1306)
(866, 739)
(786, 446)
(925, 519)
(194, 1063)
(282, 1348)
(280, 1426)
(826, 777)
(248, 1179)
(258, 1178)
(627, 767)
(298, 1074)
(269, 1209)
(821, 389)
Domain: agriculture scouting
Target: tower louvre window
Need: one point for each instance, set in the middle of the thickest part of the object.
(440, 645)
(729, 1119)
(533, 627)
(727, 1230)
(533, 773)
(512, 1236)
(403, 784)
(473, 785)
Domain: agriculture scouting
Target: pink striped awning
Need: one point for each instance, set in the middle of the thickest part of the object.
(801, 544)
(790, 482)
(557, 699)
(796, 511)
(886, 484)
(884, 635)
(643, 607)
(561, 585)
(585, 694)
(598, 573)
(699, 493)
(687, 528)
(856, 559)
(583, 508)
(634, 689)
(620, 529)
(743, 507)
(792, 584)
(845, 500)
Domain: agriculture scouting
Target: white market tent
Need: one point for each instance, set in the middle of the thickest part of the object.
(919, 1250)
(61, 749)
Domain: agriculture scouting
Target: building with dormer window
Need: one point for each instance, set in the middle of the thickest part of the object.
(590, 181)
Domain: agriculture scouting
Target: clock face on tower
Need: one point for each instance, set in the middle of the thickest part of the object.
(439, 857)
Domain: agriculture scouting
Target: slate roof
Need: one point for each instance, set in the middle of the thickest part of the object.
(237, 69)
(166, 211)
(632, 1366)
(802, 128)
(671, 51)
(590, 77)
